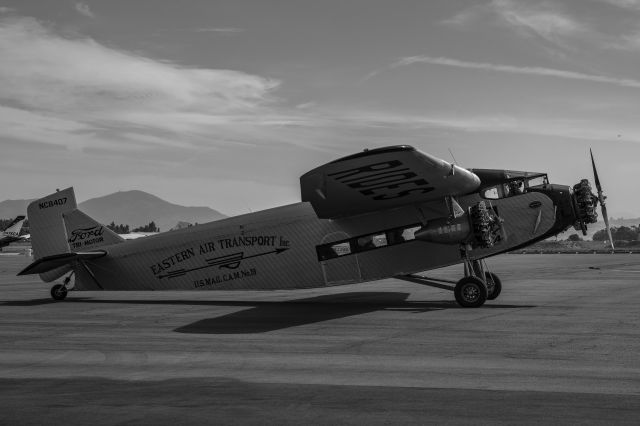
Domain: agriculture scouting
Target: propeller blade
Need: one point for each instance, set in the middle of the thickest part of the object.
(601, 198)
(503, 231)
(595, 174)
(603, 208)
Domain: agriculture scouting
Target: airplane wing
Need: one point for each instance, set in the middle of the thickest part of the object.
(380, 179)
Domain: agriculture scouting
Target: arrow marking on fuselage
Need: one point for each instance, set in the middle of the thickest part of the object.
(229, 261)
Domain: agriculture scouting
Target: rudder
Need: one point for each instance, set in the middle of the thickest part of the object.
(46, 225)
(48, 235)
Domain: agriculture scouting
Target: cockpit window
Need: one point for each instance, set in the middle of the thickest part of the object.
(537, 181)
(515, 187)
(504, 190)
(491, 193)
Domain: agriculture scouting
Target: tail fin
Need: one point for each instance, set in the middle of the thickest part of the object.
(14, 227)
(48, 235)
(57, 227)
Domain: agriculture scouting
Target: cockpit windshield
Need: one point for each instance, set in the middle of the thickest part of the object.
(512, 186)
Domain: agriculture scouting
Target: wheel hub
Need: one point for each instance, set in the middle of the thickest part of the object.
(471, 293)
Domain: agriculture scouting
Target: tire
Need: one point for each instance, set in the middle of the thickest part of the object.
(495, 289)
(470, 292)
(58, 292)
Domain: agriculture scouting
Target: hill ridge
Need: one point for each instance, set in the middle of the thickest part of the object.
(131, 207)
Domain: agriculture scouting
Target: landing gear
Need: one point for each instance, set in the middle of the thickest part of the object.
(470, 292)
(477, 286)
(494, 285)
(59, 291)
(476, 275)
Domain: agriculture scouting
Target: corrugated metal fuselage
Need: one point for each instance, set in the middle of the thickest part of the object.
(277, 249)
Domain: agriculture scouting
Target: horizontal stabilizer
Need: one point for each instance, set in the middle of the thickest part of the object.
(49, 263)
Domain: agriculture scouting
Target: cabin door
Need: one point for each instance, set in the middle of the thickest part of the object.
(343, 269)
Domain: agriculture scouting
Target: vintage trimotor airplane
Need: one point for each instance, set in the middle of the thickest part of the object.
(380, 213)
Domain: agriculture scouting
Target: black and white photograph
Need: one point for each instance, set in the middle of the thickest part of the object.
(329, 212)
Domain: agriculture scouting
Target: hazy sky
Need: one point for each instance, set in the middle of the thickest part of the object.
(227, 103)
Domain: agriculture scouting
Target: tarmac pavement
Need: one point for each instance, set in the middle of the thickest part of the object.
(560, 345)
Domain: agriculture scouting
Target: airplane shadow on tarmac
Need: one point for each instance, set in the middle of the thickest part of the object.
(265, 316)
(271, 316)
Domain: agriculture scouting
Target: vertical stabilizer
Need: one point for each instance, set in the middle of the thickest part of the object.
(46, 225)
(14, 228)
(48, 235)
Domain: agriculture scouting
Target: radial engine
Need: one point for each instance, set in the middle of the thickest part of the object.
(480, 227)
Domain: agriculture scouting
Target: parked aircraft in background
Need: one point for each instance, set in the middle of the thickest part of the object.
(136, 235)
(386, 212)
(12, 232)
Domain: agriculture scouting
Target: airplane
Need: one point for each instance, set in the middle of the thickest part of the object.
(136, 235)
(386, 212)
(12, 232)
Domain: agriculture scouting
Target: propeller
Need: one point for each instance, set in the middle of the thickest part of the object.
(601, 198)
(503, 231)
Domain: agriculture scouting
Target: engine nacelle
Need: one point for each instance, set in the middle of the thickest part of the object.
(445, 231)
(481, 228)
(585, 203)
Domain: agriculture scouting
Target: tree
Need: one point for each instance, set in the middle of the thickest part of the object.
(574, 237)
(150, 227)
(620, 233)
(624, 233)
(119, 229)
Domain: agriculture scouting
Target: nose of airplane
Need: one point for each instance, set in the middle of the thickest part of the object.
(575, 205)
(585, 203)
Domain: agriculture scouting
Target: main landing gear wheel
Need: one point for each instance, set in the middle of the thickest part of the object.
(59, 292)
(470, 292)
(494, 285)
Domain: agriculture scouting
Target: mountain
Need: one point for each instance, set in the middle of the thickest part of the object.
(12, 208)
(138, 208)
(133, 208)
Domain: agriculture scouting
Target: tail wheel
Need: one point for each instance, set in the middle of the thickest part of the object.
(470, 292)
(58, 292)
(494, 285)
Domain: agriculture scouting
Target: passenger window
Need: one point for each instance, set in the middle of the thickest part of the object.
(491, 193)
(380, 240)
(367, 242)
(401, 235)
(335, 250)
(409, 233)
(341, 249)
